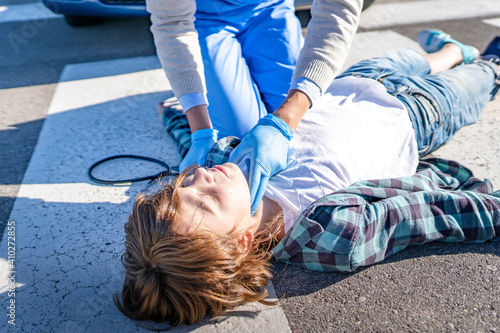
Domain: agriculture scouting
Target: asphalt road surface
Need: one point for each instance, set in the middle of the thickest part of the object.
(70, 96)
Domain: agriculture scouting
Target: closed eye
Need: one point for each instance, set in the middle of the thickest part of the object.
(183, 183)
(211, 196)
(204, 204)
(197, 200)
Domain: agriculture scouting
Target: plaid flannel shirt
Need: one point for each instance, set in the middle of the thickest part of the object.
(370, 220)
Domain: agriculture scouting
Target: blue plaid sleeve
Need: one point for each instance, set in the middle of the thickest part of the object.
(177, 126)
(371, 220)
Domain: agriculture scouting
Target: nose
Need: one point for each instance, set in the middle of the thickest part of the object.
(201, 174)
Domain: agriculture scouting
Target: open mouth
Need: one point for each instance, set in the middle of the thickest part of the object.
(221, 169)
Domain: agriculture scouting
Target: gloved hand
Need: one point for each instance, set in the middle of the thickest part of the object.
(267, 145)
(201, 143)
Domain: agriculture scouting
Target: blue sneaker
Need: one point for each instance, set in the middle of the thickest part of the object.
(433, 40)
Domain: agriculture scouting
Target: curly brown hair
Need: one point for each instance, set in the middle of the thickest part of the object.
(182, 278)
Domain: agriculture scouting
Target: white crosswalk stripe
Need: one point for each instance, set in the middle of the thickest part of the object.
(494, 22)
(376, 43)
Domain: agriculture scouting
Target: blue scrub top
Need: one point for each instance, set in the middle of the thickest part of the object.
(230, 7)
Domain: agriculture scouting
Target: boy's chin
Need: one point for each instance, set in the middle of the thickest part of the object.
(241, 168)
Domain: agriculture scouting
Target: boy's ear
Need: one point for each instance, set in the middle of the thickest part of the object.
(245, 241)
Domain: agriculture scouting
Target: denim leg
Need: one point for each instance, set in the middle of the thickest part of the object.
(440, 104)
(402, 61)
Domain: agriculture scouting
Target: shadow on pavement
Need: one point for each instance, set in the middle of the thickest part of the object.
(34, 52)
(291, 281)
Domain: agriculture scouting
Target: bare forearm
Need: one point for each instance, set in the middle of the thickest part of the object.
(293, 108)
(198, 118)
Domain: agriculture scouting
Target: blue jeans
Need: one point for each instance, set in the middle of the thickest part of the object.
(438, 104)
(249, 49)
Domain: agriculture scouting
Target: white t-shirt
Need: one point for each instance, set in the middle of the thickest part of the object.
(355, 131)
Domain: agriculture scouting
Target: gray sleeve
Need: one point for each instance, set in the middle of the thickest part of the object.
(177, 44)
(329, 36)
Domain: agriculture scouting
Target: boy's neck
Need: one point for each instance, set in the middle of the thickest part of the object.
(270, 212)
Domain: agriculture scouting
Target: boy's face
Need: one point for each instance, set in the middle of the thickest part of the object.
(217, 199)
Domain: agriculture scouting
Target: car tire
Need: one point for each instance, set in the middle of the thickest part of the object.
(81, 21)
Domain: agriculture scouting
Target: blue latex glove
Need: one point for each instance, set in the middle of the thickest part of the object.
(201, 143)
(267, 146)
